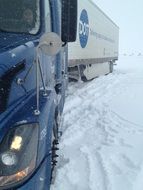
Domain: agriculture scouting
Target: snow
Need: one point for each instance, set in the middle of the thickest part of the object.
(101, 145)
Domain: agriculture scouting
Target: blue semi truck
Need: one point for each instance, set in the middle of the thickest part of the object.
(33, 78)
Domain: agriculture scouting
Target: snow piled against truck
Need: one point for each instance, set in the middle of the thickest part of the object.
(101, 146)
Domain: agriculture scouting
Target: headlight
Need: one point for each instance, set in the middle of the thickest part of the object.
(18, 152)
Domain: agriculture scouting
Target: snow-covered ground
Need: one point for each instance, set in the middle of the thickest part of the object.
(102, 143)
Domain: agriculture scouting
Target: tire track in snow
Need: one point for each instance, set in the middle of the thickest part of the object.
(127, 121)
(98, 178)
(96, 89)
(101, 88)
(119, 150)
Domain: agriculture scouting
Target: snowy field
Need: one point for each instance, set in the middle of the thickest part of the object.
(102, 143)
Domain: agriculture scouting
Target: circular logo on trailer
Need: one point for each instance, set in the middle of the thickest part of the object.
(83, 28)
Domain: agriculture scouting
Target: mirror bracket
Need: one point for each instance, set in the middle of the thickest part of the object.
(49, 44)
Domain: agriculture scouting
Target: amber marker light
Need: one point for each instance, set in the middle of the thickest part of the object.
(18, 176)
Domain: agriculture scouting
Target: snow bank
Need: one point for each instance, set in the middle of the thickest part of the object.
(101, 146)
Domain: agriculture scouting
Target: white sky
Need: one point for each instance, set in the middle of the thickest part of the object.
(128, 15)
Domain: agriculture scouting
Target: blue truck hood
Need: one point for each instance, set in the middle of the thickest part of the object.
(17, 53)
(11, 40)
(13, 49)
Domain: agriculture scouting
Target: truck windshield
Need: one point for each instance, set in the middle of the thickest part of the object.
(19, 16)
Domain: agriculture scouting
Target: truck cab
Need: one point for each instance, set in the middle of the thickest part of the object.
(33, 78)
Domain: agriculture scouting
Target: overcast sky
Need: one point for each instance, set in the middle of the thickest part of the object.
(128, 15)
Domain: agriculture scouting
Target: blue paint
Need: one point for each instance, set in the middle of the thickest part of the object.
(83, 28)
(21, 101)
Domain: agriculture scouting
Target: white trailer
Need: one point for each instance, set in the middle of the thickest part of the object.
(96, 47)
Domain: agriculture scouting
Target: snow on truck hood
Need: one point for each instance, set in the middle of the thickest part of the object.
(14, 49)
(11, 40)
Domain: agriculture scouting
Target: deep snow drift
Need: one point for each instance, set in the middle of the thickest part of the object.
(101, 146)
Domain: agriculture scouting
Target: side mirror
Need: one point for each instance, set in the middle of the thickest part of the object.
(69, 20)
(50, 44)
